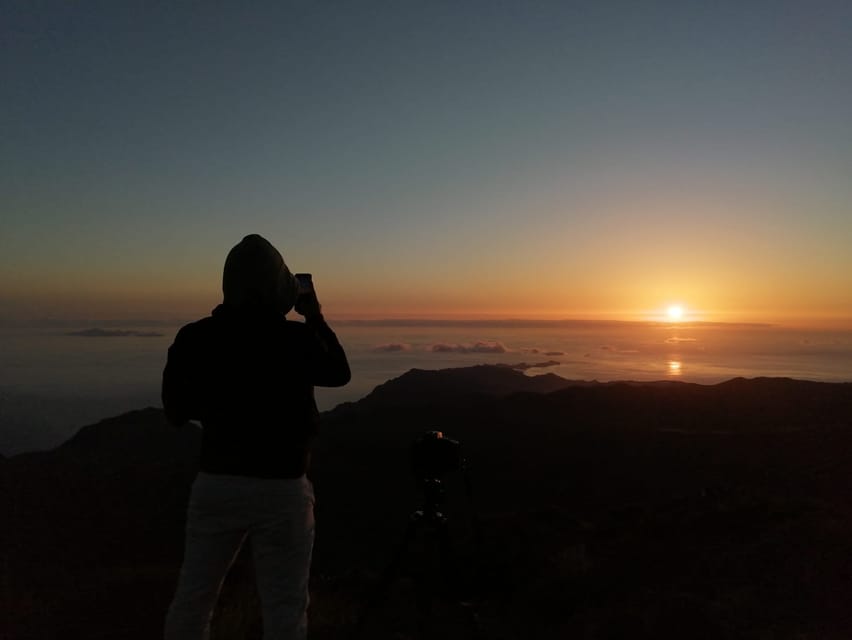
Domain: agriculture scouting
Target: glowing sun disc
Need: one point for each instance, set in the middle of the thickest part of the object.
(675, 313)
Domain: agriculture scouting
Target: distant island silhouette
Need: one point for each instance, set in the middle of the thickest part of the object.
(662, 509)
(114, 333)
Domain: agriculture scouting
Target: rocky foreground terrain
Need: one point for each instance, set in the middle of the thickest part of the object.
(618, 510)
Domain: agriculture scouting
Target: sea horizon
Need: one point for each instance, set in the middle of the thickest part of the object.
(819, 323)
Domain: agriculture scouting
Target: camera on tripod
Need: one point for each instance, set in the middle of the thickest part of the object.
(426, 551)
(432, 457)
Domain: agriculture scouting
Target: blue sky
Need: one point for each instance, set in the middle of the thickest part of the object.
(513, 158)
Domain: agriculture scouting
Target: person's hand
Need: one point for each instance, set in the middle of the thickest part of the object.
(308, 306)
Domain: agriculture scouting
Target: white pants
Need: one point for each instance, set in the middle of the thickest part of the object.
(278, 516)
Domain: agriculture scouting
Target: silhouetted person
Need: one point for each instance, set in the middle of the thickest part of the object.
(248, 375)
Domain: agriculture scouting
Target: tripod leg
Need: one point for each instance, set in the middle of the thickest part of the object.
(451, 579)
(439, 580)
(430, 578)
(389, 575)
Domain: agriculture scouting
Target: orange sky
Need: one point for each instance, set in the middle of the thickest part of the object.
(432, 159)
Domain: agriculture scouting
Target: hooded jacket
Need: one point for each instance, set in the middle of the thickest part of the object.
(247, 374)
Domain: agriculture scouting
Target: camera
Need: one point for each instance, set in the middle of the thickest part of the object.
(433, 456)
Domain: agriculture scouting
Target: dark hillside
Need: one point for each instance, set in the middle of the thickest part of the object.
(94, 526)
(424, 387)
(640, 510)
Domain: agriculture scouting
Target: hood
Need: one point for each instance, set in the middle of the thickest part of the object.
(255, 276)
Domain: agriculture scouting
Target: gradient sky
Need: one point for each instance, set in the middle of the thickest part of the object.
(440, 158)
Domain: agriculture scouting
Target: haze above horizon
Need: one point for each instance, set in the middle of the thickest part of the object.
(594, 160)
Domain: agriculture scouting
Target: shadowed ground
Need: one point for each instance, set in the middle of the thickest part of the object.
(660, 510)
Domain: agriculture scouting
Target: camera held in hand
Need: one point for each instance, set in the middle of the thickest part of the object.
(306, 296)
(304, 284)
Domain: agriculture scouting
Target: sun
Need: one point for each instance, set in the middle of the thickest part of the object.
(675, 313)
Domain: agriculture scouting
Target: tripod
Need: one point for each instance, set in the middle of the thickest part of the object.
(426, 555)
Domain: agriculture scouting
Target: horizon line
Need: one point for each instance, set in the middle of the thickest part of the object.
(537, 322)
(390, 321)
(89, 324)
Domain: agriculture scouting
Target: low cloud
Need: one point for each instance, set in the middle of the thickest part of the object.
(524, 366)
(392, 347)
(680, 340)
(478, 347)
(114, 333)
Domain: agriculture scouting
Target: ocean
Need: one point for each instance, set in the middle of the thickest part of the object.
(53, 381)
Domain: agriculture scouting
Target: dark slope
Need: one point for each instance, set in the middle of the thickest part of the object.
(91, 530)
(422, 387)
(662, 510)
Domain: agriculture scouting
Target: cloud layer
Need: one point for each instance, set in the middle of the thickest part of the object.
(391, 347)
(114, 333)
(477, 347)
